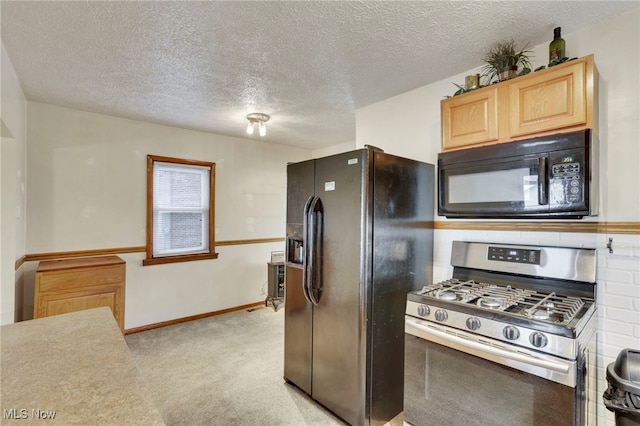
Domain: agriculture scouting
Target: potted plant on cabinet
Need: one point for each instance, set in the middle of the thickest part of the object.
(502, 61)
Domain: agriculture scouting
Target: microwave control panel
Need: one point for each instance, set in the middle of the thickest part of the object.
(566, 171)
(566, 184)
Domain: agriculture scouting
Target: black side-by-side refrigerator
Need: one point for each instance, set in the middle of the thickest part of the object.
(359, 238)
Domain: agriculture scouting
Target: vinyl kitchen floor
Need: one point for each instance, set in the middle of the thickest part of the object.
(223, 370)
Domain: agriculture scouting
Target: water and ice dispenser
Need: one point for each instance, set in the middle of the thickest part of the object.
(295, 244)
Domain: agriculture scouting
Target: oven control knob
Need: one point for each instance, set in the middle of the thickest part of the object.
(511, 333)
(441, 315)
(473, 323)
(423, 310)
(538, 340)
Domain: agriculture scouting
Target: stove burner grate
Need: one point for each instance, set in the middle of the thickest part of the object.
(454, 290)
(553, 307)
(490, 302)
(500, 298)
(531, 304)
(447, 295)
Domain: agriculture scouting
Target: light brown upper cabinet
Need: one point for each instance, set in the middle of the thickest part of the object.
(555, 100)
(470, 119)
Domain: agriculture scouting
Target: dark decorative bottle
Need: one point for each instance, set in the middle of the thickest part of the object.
(556, 47)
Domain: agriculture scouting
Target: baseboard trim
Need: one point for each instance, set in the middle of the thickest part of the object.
(191, 318)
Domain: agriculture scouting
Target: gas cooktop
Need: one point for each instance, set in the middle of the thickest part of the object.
(536, 305)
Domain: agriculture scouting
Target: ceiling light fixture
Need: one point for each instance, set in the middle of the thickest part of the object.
(258, 118)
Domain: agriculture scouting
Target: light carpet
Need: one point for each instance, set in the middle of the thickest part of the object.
(224, 370)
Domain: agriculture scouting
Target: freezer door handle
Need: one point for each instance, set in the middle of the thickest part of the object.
(314, 273)
(305, 248)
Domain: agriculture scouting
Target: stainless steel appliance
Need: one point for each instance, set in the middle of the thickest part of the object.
(509, 339)
(547, 177)
(359, 238)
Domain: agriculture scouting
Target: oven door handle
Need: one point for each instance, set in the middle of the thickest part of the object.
(472, 347)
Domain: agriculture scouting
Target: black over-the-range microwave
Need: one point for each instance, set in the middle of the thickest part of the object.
(547, 177)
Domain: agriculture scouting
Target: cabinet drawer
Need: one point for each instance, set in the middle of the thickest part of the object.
(78, 278)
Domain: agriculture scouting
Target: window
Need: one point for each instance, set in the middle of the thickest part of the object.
(180, 210)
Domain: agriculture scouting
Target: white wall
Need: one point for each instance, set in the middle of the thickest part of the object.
(87, 190)
(334, 149)
(409, 125)
(12, 190)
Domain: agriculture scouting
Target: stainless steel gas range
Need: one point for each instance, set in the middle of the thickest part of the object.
(509, 339)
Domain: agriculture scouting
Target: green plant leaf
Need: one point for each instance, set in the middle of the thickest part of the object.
(505, 54)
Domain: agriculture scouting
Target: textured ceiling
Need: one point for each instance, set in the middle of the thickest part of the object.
(309, 64)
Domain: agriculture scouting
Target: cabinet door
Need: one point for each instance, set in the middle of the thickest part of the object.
(470, 119)
(552, 100)
(70, 302)
(50, 304)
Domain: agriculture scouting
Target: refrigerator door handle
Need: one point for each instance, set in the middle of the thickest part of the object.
(305, 248)
(314, 275)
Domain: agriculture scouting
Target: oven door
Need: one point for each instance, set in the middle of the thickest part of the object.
(454, 378)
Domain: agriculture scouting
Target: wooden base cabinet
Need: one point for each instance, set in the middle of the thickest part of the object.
(64, 286)
(559, 99)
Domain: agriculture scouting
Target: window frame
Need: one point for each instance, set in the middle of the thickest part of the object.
(210, 254)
